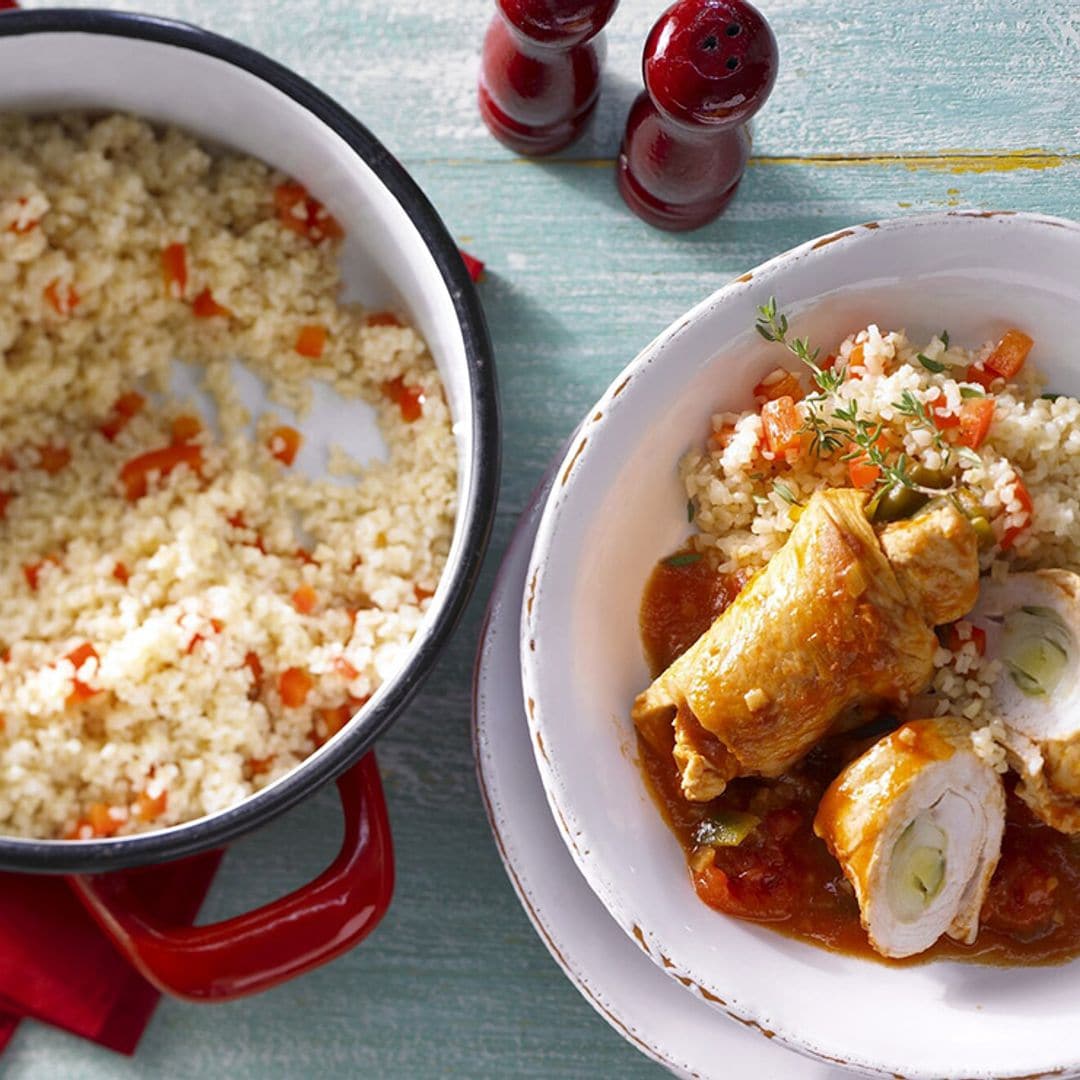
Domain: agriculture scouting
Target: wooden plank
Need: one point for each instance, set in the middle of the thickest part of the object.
(904, 77)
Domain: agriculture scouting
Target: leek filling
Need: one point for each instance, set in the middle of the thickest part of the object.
(917, 869)
(1036, 648)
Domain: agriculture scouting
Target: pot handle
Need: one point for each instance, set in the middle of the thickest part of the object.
(257, 950)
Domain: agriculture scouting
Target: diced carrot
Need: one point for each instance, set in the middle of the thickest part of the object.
(422, 594)
(185, 428)
(1023, 497)
(410, 399)
(81, 691)
(254, 665)
(150, 807)
(135, 475)
(382, 318)
(121, 573)
(294, 685)
(311, 341)
(828, 363)
(981, 375)
(63, 299)
(777, 384)
(284, 442)
(304, 599)
(217, 625)
(863, 472)
(302, 213)
(329, 722)
(105, 820)
(345, 669)
(174, 270)
(955, 642)
(856, 362)
(127, 405)
(783, 425)
(32, 571)
(53, 458)
(257, 766)
(1009, 353)
(976, 416)
(204, 306)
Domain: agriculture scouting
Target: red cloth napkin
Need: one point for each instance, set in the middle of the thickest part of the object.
(58, 966)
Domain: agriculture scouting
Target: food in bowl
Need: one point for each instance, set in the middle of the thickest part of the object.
(865, 657)
(185, 614)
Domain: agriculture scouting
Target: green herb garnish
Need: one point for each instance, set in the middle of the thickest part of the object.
(684, 558)
(690, 510)
(936, 366)
(785, 492)
(725, 828)
(773, 326)
(971, 391)
(943, 337)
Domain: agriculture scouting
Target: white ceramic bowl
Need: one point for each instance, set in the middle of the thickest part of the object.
(397, 253)
(617, 506)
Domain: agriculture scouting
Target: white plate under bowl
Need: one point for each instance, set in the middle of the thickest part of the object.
(611, 972)
(617, 506)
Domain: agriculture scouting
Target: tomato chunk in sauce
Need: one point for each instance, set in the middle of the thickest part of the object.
(781, 873)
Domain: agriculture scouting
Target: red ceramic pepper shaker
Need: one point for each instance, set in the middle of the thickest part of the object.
(709, 65)
(540, 71)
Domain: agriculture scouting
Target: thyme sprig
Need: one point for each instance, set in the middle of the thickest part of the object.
(773, 326)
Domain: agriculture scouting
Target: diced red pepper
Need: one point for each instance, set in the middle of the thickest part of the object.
(329, 722)
(294, 685)
(150, 807)
(778, 384)
(204, 306)
(955, 642)
(103, 820)
(305, 557)
(185, 428)
(53, 458)
(63, 299)
(254, 665)
(981, 375)
(302, 213)
(311, 341)
(856, 362)
(409, 399)
(304, 599)
(81, 653)
(32, 571)
(422, 594)
(121, 573)
(473, 265)
(863, 472)
(783, 426)
(174, 270)
(284, 442)
(257, 766)
(976, 415)
(345, 669)
(127, 405)
(1009, 353)
(382, 318)
(944, 421)
(1023, 497)
(78, 656)
(135, 474)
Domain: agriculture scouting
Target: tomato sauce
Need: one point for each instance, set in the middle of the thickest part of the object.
(782, 874)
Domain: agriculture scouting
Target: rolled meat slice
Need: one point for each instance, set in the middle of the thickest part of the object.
(1032, 626)
(829, 629)
(916, 823)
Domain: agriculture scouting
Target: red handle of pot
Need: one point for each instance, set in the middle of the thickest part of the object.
(257, 950)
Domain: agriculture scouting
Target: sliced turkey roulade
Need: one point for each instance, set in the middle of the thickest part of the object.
(1032, 626)
(916, 823)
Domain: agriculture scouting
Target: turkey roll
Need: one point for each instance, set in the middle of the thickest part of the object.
(916, 823)
(1032, 626)
(839, 620)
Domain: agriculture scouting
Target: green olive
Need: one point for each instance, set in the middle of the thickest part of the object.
(898, 503)
(931, 478)
(983, 532)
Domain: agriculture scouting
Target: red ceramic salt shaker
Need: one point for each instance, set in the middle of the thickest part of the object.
(540, 71)
(709, 65)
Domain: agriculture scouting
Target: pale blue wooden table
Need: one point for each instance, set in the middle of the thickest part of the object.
(883, 107)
